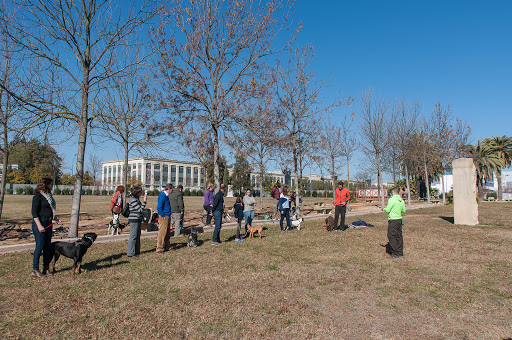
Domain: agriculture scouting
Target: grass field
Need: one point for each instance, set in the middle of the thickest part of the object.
(455, 282)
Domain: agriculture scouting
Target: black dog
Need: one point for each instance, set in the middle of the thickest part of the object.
(388, 248)
(75, 250)
(192, 238)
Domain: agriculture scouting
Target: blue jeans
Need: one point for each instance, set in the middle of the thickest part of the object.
(43, 243)
(249, 216)
(134, 239)
(286, 213)
(218, 224)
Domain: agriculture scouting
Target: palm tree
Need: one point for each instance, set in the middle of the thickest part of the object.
(503, 148)
(486, 162)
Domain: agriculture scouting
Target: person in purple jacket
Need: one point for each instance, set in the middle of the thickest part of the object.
(208, 204)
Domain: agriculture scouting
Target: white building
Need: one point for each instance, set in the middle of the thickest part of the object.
(491, 184)
(154, 173)
(12, 166)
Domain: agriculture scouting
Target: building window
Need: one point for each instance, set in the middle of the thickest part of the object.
(119, 174)
(109, 177)
(156, 170)
(165, 174)
(189, 176)
(196, 177)
(180, 175)
(134, 170)
(114, 175)
(173, 174)
(202, 177)
(104, 175)
(139, 169)
(148, 173)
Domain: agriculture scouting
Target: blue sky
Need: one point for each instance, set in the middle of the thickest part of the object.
(455, 52)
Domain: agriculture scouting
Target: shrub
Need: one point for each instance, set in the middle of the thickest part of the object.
(449, 197)
(57, 191)
(19, 191)
(28, 190)
(9, 191)
(96, 192)
(88, 191)
(66, 191)
(111, 192)
(193, 192)
(82, 192)
(314, 193)
(186, 192)
(200, 193)
(104, 192)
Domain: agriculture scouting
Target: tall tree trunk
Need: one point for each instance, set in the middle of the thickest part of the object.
(216, 170)
(5, 162)
(80, 155)
(332, 177)
(348, 173)
(296, 171)
(125, 170)
(379, 182)
(442, 189)
(261, 186)
(498, 178)
(426, 178)
(408, 186)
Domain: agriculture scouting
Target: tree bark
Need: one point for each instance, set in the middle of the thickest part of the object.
(408, 186)
(348, 172)
(261, 186)
(500, 190)
(442, 188)
(379, 181)
(5, 162)
(426, 179)
(125, 170)
(80, 155)
(216, 170)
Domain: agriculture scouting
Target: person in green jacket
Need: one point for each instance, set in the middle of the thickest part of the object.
(395, 208)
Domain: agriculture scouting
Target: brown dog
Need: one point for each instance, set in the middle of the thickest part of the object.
(254, 229)
(329, 223)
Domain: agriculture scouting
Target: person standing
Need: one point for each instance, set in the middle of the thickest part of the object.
(276, 193)
(43, 214)
(135, 220)
(239, 215)
(249, 204)
(116, 205)
(177, 208)
(284, 208)
(395, 208)
(164, 216)
(208, 204)
(218, 210)
(341, 197)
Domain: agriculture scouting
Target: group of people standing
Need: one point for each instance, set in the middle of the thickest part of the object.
(170, 208)
(171, 211)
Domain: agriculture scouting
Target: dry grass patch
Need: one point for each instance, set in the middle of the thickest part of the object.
(454, 282)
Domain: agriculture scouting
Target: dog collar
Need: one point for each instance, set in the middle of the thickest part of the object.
(89, 238)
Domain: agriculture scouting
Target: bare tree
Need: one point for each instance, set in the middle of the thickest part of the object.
(300, 99)
(405, 114)
(260, 136)
(80, 39)
(212, 56)
(331, 147)
(126, 117)
(94, 166)
(374, 132)
(349, 142)
(448, 136)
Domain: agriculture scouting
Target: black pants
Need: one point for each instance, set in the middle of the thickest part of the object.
(396, 241)
(208, 216)
(340, 210)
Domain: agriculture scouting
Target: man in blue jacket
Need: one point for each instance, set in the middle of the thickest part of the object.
(218, 209)
(164, 216)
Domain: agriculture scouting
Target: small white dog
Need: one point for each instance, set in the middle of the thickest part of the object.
(297, 223)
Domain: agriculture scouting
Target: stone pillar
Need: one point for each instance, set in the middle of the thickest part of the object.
(465, 206)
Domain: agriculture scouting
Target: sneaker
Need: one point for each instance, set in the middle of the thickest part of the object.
(36, 273)
(47, 272)
(216, 243)
(239, 239)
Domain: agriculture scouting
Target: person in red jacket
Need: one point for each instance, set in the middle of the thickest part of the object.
(341, 198)
(116, 204)
(276, 193)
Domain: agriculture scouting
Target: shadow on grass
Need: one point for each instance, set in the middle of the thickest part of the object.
(448, 219)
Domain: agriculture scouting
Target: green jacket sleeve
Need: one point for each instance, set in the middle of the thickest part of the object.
(390, 205)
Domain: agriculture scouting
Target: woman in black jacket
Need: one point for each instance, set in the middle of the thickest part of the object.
(43, 214)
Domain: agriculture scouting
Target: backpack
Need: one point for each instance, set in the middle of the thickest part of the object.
(126, 210)
(146, 215)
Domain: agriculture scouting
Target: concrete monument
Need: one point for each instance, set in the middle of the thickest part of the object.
(465, 206)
